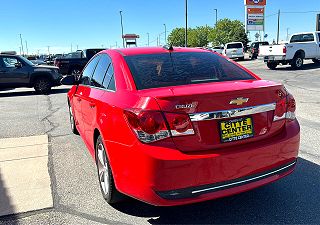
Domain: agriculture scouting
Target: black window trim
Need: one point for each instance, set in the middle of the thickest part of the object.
(99, 88)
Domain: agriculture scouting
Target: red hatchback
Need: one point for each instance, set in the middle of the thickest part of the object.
(172, 126)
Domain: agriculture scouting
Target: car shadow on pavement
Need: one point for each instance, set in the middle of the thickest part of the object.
(31, 92)
(294, 199)
(308, 66)
(5, 205)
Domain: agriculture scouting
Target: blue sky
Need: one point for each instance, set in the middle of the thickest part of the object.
(96, 23)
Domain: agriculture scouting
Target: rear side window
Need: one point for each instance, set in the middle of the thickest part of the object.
(235, 45)
(302, 38)
(87, 72)
(100, 71)
(182, 68)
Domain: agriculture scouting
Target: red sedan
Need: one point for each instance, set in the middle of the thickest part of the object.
(173, 126)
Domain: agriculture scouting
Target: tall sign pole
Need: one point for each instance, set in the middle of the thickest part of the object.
(186, 29)
(318, 22)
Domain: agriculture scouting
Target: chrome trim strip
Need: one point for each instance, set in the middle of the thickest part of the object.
(232, 112)
(244, 181)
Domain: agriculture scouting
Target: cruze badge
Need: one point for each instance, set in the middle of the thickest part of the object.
(186, 106)
(239, 101)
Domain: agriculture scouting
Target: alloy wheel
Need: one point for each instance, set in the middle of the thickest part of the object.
(103, 169)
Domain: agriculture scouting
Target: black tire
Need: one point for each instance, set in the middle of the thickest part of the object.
(111, 195)
(42, 85)
(316, 61)
(297, 62)
(272, 65)
(72, 121)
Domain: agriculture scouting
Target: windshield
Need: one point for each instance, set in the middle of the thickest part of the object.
(235, 45)
(182, 68)
(26, 61)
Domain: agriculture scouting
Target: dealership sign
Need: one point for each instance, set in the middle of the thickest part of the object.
(256, 2)
(255, 15)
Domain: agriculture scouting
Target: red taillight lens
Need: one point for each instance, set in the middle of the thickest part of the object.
(180, 124)
(285, 108)
(284, 50)
(151, 126)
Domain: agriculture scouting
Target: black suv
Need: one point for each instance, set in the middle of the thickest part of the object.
(254, 49)
(16, 71)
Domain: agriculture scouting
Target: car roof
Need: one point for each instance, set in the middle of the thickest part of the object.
(153, 50)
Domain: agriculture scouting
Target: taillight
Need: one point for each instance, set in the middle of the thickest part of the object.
(285, 109)
(179, 124)
(150, 126)
(284, 50)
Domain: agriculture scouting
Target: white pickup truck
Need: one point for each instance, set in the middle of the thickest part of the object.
(301, 46)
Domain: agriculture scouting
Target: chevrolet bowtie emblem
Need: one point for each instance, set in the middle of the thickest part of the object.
(239, 101)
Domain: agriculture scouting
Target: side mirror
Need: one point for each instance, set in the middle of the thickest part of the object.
(69, 80)
(18, 65)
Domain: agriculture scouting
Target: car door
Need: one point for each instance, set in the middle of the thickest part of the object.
(93, 101)
(83, 89)
(11, 74)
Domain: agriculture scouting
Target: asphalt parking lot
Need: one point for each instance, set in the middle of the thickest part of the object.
(76, 195)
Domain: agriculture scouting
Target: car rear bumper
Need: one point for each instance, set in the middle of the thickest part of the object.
(273, 58)
(165, 176)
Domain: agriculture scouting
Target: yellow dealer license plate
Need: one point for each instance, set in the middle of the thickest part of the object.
(236, 129)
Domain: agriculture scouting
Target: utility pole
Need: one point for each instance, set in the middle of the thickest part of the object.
(77, 47)
(157, 41)
(165, 33)
(186, 29)
(20, 50)
(27, 48)
(278, 33)
(48, 50)
(21, 45)
(71, 47)
(121, 28)
(148, 39)
(216, 17)
(288, 34)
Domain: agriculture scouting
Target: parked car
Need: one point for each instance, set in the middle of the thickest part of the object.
(172, 126)
(254, 49)
(16, 71)
(302, 46)
(74, 62)
(234, 50)
(218, 49)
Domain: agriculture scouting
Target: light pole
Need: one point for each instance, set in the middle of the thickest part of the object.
(186, 29)
(121, 28)
(48, 50)
(288, 34)
(165, 33)
(148, 39)
(27, 48)
(216, 16)
(21, 45)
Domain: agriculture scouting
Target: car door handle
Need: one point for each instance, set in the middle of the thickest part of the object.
(92, 105)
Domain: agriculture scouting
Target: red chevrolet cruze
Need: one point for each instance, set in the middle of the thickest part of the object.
(172, 126)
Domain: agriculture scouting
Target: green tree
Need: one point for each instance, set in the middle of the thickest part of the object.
(197, 37)
(176, 37)
(228, 30)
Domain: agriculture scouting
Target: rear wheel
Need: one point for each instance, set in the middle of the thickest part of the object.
(107, 186)
(272, 65)
(297, 62)
(72, 122)
(42, 85)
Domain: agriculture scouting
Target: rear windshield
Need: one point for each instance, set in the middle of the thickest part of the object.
(182, 68)
(236, 45)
